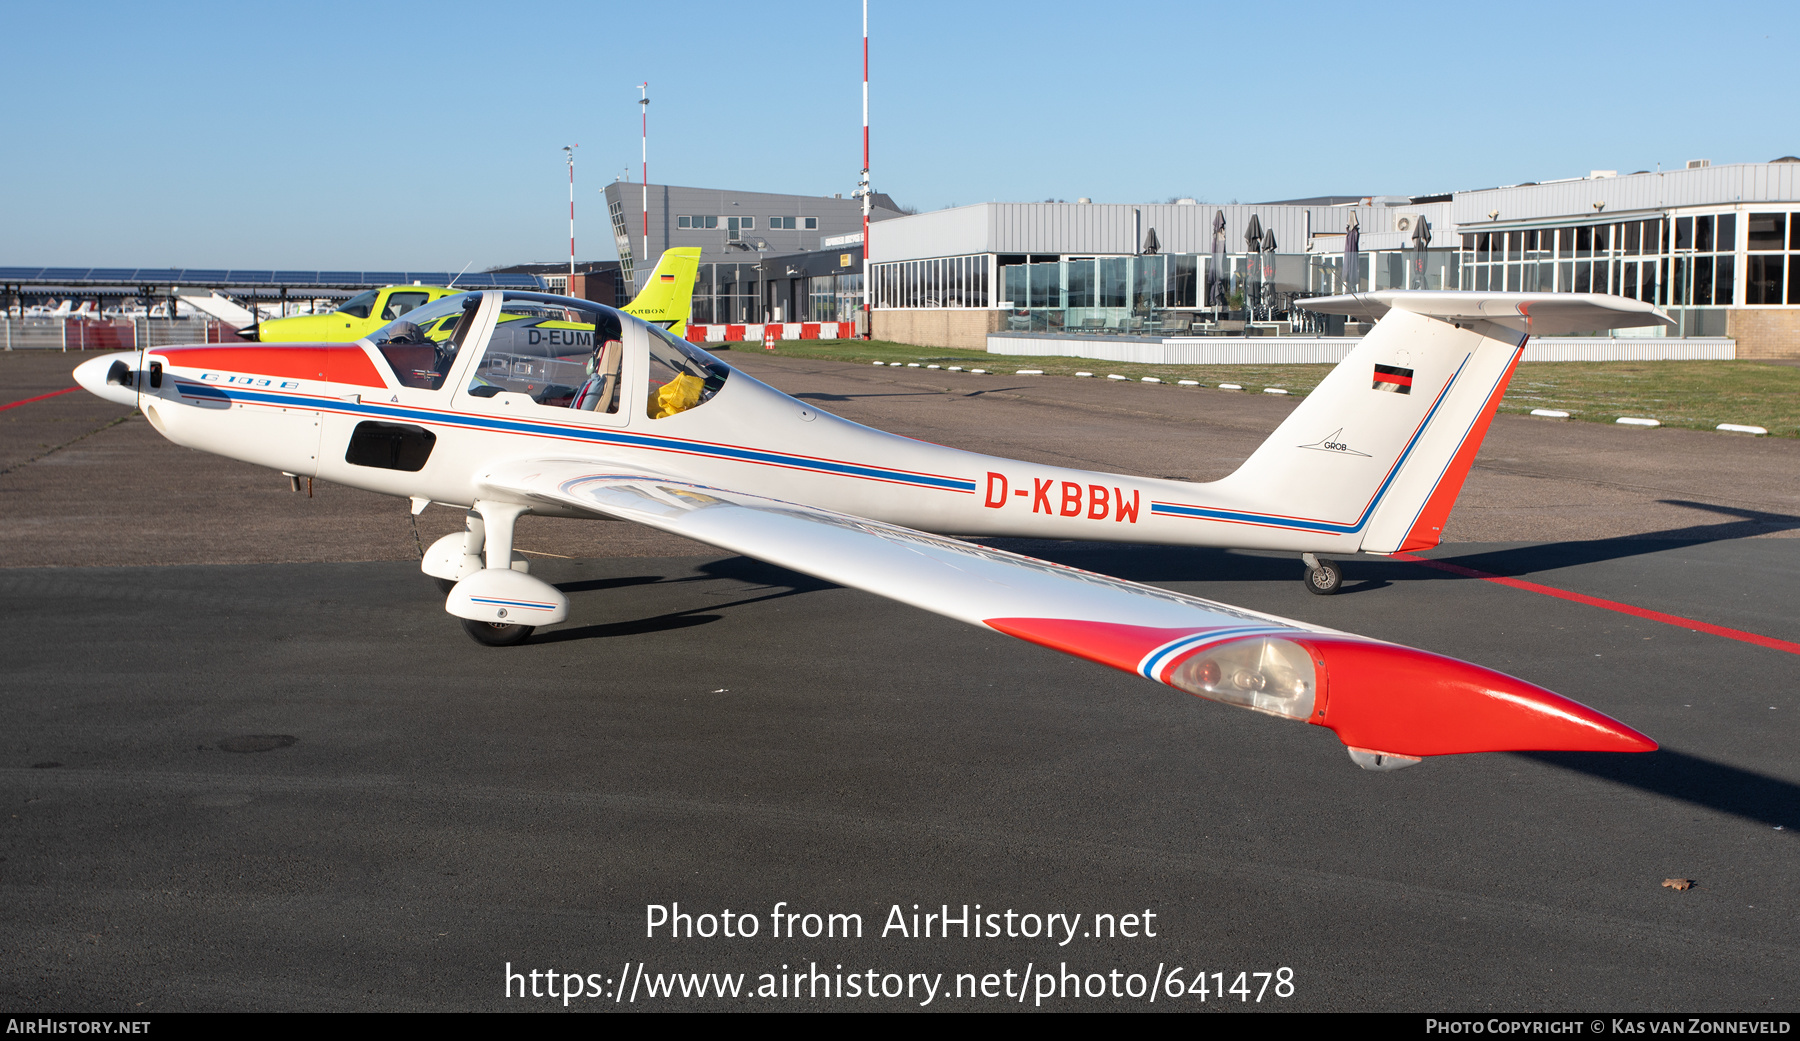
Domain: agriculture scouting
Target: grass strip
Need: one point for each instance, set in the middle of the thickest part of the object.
(1697, 395)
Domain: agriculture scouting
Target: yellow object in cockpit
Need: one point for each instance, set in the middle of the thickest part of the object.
(677, 395)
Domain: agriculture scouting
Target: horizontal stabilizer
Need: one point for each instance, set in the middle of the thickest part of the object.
(1536, 314)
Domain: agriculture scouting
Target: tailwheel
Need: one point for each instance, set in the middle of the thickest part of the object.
(496, 634)
(1324, 578)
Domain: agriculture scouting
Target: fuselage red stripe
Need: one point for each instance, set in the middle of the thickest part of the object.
(1610, 605)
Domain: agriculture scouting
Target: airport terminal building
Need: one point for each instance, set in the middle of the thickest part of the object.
(1718, 247)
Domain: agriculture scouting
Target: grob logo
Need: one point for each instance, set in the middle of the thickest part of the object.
(1334, 442)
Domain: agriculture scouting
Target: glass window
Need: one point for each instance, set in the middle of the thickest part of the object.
(1633, 243)
(1726, 242)
(1794, 282)
(421, 345)
(1768, 231)
(1514, 245)
(682, 376)
(1702, 268)
(1684, 233)
(1628, 288)
(684, 222)
(400, 303)
(1723, 284)
(360, 305)
(812, 224)
(1565, 242)
(1114, 272)
(1762, 284)
(1703, 234)
(749, 223)
(554, 349)
(1184, 281)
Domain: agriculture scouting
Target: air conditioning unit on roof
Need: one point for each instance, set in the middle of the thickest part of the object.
(1406, 222)
(1697, 164)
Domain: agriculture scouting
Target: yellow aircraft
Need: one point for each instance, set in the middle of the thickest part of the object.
(359, 316)
(666, 300)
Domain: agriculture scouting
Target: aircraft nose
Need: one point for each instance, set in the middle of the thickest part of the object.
(1398, 700)
(111, 376)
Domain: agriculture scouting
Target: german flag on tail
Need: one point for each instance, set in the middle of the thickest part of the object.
(1393, 379)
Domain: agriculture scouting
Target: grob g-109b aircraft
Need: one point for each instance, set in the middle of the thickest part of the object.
(512, 402)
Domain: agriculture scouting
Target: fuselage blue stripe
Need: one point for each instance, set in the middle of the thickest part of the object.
(613, 437)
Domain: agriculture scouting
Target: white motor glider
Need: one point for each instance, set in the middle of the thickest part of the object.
(506, 402)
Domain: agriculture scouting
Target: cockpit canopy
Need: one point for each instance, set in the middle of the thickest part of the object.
(559, 351)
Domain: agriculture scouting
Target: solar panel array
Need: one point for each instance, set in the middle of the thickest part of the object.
(221, 278)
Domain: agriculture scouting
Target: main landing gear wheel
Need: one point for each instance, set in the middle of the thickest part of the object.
(496, 634)
(1324, 579)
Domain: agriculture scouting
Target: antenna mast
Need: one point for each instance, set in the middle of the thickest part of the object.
(644, 89)
(863, 189)
(570, 149)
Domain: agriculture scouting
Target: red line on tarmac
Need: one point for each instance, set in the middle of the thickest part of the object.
(1610, 605)
(40, 397)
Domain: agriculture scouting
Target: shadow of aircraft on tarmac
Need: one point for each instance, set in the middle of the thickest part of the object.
(1692, 779)
(1155, 564)
(1520, 561)
(758, 575)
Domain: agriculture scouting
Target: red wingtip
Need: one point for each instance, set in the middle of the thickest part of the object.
(1411, 702)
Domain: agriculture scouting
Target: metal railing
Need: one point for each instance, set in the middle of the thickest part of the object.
(122, 334)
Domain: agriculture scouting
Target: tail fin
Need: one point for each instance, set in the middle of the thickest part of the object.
(1377, 454)
(668, 295)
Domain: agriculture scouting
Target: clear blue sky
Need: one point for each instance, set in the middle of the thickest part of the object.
(415, 135)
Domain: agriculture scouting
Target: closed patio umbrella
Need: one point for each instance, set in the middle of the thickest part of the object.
(1421, 238)
(1268, 267)
(1253, 245)
(1352, 254)
(1215, 273)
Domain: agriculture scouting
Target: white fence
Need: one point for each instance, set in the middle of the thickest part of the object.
(1299, 350)
(87, 334)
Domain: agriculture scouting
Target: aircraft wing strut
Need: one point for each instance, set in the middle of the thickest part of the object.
(1390, 704)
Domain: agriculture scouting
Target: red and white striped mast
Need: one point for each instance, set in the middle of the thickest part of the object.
(863, 189)
(644, 101)
(570, 149)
